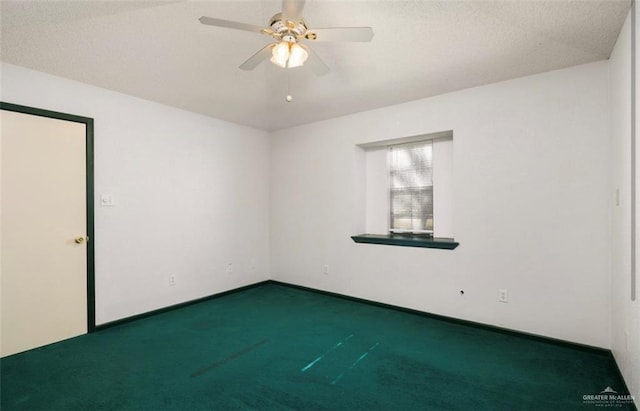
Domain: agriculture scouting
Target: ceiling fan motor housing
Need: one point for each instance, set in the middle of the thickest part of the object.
(282, 27)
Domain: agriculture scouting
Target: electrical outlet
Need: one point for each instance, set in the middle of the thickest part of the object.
(230, 268)
(326, 270)
(503, 296)
(172, 280)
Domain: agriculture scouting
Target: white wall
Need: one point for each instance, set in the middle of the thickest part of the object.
(625, 313)
(191, 194)
(531, 186)
(377, 190)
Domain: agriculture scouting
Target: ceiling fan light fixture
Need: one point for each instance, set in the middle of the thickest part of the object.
(297, 56)
(288, 54)
(280, 54)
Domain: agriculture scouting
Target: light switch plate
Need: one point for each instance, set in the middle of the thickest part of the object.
(106, 200)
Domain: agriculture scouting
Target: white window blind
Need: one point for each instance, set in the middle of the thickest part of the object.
(411, 192)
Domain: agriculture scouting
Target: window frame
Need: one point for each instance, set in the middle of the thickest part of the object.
(376, 188)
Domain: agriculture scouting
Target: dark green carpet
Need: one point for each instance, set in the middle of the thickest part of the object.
(276, 347)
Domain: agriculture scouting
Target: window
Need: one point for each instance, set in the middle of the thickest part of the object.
(408, 185)
(408, 188)
(411, 187)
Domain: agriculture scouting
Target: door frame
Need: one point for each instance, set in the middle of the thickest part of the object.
(88, 122)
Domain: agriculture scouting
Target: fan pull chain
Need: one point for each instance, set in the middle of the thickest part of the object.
(289, 97)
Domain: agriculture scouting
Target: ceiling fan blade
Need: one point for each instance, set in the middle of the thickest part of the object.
(258, 58)
(340, 34)
(315, 63)
(212, 21)
(292, 10)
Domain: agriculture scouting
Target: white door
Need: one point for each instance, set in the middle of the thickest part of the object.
(43, 255)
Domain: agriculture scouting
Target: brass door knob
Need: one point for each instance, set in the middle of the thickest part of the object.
(80, 240)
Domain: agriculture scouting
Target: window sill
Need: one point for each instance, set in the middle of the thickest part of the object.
(406, 241)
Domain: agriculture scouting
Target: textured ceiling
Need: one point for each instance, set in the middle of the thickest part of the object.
(157, 50)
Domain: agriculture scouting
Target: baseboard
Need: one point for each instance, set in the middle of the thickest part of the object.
(176, 306)
(625, 388)
(469, 323)
(474, 324)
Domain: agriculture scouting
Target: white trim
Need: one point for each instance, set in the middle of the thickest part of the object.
(411, 139)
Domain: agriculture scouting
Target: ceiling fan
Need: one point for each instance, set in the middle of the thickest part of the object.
(289, 29)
